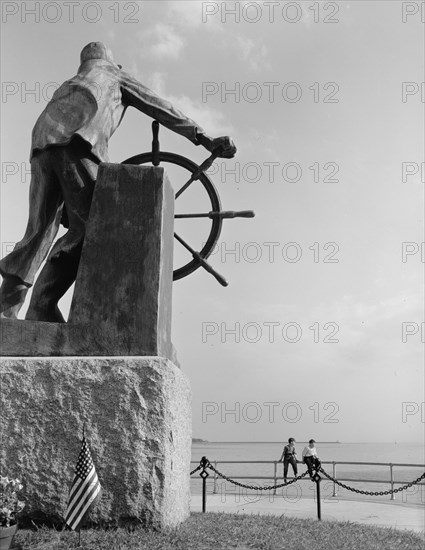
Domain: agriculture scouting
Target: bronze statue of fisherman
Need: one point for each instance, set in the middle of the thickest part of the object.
(69, 141)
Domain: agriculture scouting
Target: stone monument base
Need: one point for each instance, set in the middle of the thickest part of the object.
(138, 426)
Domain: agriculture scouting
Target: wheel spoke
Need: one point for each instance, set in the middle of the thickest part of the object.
(198, 172)
(202, 215)
(202, 262)
(221, 214)
(185, 186)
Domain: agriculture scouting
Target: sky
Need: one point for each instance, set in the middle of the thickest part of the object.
(320, 332)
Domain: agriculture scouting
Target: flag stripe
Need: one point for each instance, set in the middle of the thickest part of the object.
(75, 508)
(84, 489)
(76, 491)
(78, 482)
(74, 505)
(86, 504)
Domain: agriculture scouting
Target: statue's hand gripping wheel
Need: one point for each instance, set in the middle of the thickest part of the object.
(216, 214)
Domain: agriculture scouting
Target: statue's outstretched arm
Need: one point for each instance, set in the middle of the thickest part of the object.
(148, 102)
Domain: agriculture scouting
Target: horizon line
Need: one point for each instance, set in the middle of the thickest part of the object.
(317, 441)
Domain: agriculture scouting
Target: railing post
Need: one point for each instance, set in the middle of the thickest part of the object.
(392, 481)
(318, 479)
(334, 493)
(275, 476)
(215, 479)
(204, 474)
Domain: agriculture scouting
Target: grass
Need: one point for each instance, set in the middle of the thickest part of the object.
(220, 531)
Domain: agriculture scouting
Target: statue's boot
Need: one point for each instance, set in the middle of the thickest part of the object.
(12, 296)
(54, 280)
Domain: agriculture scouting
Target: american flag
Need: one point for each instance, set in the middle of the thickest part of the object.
(84, 489)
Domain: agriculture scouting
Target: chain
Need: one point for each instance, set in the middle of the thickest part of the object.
(374, 493)
(207, 464)
(254, 487)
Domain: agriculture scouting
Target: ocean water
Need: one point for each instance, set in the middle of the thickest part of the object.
(373, 477)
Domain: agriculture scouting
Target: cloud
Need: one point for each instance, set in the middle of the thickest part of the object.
(211, 120)
(252, 52)
(156, 82)
(162, 42)
(186, 13)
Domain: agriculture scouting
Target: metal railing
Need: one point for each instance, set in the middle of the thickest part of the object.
(275, 477)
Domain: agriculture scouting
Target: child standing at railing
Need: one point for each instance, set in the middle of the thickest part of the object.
(310, 457)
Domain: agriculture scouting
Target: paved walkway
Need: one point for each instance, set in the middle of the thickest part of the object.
(388, 513)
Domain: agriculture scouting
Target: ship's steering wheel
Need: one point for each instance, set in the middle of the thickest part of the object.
(216, 214)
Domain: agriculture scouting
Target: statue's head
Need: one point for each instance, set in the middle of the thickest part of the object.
(96, 50)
